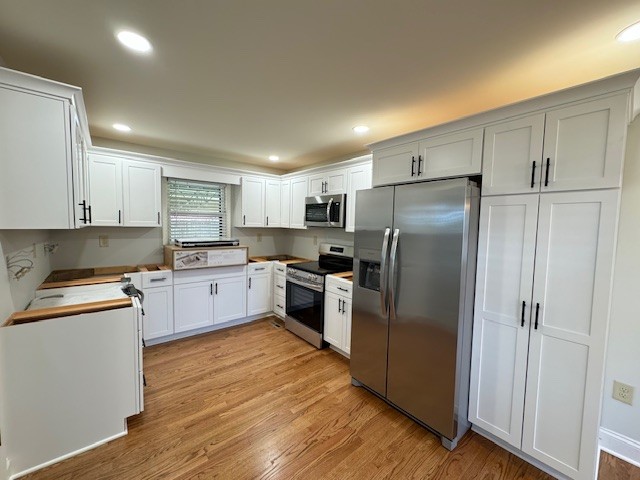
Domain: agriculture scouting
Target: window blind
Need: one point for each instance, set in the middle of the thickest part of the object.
(197, 210)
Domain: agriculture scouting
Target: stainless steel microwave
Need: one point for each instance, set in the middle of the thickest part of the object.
(325, 211)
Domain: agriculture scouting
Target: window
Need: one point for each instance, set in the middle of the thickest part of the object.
(197, 210)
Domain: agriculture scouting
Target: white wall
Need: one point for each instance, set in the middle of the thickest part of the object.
(272, 240)
(305, 243)
(623, 353)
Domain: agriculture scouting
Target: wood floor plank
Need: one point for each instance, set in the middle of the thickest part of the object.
(256, 402)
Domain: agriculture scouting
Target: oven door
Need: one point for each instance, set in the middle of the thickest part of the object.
(325, 211)
(305, 305)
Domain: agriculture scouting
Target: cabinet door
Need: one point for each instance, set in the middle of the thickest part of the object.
(358, 178)
(285, 203)
(80, 172)
(317, 184)
(451, 155)
(253, 202)
(229, 299)
(273, 205)
(395, 164)
(571, 297)
(336, 182)
(259, 294)
(158, 309)
(584, 145)
(506, 251)
(333, 320)
(298, 195)
(511, 149)
(193, 305)
(106, 190)
(35, 165)
(346, 316)
(141, 183)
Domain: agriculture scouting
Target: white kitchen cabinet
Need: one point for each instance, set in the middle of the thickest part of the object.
(251, 211)
(565, 322)
(229, 299)
(279, 289)
(337, 313)
(285, 203)
(358, 178)
(395, 164)
(142, 198)
(299, 189)
(259, 293)
(193, 305)
(106, 190)
(43, 180)
(273, 203)
(451, 155)
(328, 183)
(158, 309)
(577, 147)
(512, 160)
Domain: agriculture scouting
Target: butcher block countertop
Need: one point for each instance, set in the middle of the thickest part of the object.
(286, 262)
(344, 275)
(94, 276)
(29, 316)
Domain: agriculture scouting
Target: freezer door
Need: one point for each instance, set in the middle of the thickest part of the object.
(370, 324)
(426, 285)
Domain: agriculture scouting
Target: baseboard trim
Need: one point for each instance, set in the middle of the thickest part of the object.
(620, 446)
(69, 455)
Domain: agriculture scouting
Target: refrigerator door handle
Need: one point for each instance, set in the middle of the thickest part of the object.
(383, 272)
(392, 273)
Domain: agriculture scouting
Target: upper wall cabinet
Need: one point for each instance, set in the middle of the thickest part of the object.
(273, 203)
(358, 178)
(251, 207)
(43, 170)
(124, 192)
(285, 203)
(299, 191)
(328, 183)
(450, 155)
(583, 149)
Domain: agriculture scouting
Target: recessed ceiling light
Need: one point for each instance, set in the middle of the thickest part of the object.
(134, 41)
(274, 158)
(121, 127)
(629, 34)
(361, 129)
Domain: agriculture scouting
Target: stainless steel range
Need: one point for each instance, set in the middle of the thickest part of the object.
(305, 291)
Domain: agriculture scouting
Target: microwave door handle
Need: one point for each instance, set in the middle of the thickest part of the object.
(329, 211)
(383, 272)
(392, 273)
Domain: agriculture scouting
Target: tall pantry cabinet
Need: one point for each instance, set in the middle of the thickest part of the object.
(545, 268)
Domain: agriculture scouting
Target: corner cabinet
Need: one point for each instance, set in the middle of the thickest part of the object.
(576, 147)
(542, 305)
(44, 171)
(451, 155)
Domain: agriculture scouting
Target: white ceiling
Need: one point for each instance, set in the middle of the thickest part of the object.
(242, 79)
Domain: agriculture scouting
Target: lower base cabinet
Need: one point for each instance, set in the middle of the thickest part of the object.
(193, 305)
(259, 294)
(158, 312)
(229, 300)
(337, 314)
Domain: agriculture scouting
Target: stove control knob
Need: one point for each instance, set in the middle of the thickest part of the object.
(313, 277)
(291, 271)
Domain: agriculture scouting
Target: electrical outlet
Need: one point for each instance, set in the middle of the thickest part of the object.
(259, 239)
(623, 392)
(103, 240)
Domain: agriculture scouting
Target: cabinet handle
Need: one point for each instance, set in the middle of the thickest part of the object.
(211, 289)
(546, 173)
(279, 306)
(280, 286)
(533, 174)
(413, 165)
(158, 218)
(89, 210)
(419, 165)
(522, 319)
(159, 279)
(244, 219)
(84, 211)
(119, 216)
(216, 288)
(535, 326)
(267, 220)
(249, 283)
(343, 289)
(339, 303)
(258, 269)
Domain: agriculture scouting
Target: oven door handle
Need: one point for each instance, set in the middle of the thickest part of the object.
(305, 285)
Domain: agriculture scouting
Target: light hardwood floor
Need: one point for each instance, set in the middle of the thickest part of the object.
(256, 402)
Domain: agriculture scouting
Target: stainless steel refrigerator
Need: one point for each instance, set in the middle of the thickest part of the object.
(413, 286)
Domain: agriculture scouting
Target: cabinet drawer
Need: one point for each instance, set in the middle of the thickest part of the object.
(157, 279)
(279, 284)
(279, 305)
(280, 268)
(338, 286)
(260, 267)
